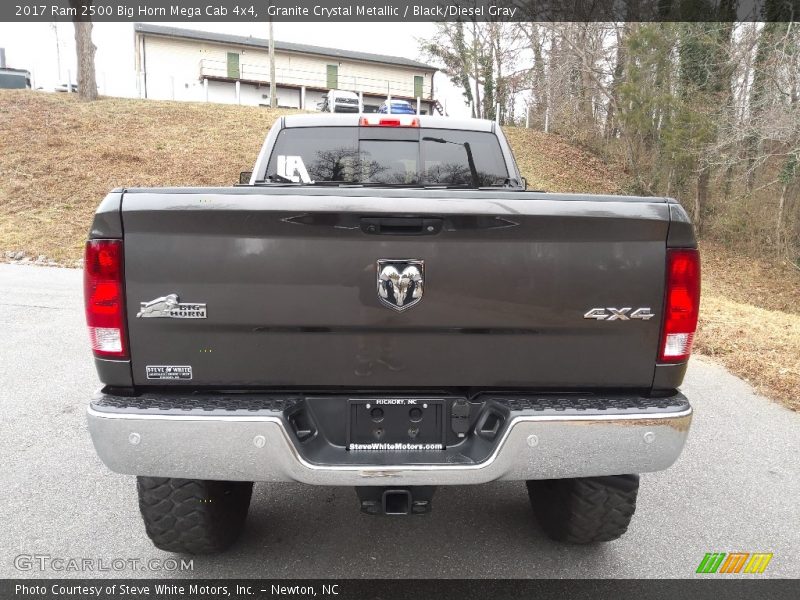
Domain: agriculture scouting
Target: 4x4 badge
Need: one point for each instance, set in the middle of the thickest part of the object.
(619, 314)
(169, 307)
(400, 282)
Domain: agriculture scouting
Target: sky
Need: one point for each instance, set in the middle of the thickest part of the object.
(32, 46)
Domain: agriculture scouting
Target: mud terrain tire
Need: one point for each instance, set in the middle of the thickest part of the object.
(193, 516)
(584, 510)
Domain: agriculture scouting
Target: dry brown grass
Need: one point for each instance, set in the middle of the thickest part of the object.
(750, 320)
(760, 345)
(551, 163)
(766, 283)
(59, 157)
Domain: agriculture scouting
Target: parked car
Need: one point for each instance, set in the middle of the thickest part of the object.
(399, 107)
(18, 79)
(73, 87)
(392, 324)
(340, 101)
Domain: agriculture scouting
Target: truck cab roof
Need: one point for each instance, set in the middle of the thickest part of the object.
(352, 120)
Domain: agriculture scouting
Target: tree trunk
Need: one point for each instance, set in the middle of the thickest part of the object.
(779, 236)
(540, 85)
(763, 89)
(583, 81)
(84, 49)
(478, 111)
(499, 83)
(701, 198)
(489, 84)
(612, 130)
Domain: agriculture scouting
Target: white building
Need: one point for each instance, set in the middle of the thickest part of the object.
(183, 64)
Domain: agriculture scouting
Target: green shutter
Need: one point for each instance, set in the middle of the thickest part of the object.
(233, 65)
(333, 77)
(418, 82)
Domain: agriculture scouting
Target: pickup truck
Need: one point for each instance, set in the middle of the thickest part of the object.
(340, 101)
(383, 305)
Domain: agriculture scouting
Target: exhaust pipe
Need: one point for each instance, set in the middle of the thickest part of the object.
(412, 500)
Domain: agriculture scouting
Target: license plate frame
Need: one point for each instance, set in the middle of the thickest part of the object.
(395, 419)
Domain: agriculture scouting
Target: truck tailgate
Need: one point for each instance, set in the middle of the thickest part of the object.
(289, 282)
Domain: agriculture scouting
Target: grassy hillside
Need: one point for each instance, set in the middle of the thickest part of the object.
(550, 163)
(59, 157)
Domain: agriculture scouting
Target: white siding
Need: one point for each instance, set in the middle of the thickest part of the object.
(175, 69)
(172, 64)
(224, 92)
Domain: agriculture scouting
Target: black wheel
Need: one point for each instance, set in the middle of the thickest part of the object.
(193, 516)
(584, 510)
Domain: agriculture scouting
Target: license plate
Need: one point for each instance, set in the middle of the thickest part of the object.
(396, 425)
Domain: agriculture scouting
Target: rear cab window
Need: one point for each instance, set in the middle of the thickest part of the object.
(431, 157)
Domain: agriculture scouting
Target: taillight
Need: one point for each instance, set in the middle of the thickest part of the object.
(104, 298)
(681, 304)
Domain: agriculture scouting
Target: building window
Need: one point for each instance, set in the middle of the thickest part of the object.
(333, 77)
(233, 65)
(418, 81)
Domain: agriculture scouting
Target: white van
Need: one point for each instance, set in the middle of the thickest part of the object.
(340, 101)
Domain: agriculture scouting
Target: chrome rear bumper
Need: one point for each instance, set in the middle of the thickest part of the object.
(248, 445)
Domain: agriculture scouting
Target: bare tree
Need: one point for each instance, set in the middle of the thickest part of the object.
(84, 49)
(537, 41)
(481, 59)
(705, 111)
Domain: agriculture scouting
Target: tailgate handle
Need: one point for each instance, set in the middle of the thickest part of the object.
(401, 225)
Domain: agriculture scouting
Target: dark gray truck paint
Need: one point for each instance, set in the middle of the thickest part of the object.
(290, 288)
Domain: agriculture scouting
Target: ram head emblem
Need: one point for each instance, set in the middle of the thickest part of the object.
(400, 282)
